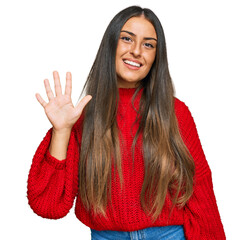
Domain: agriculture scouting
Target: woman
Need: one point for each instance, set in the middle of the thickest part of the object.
(131, 155)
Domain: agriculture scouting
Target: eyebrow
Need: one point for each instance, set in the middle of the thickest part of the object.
(133, 34)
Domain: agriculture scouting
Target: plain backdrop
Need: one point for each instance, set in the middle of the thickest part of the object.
(210, 59)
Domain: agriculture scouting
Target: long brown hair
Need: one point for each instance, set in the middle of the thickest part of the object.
(169, 168)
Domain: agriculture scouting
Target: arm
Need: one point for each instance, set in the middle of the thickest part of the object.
(202, 219)
(53, 184)
(53, 177)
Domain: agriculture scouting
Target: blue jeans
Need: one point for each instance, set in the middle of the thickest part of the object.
(175, 232)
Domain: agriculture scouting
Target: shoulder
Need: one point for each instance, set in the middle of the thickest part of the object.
(185, 119)
(178, 104)
(181, 110)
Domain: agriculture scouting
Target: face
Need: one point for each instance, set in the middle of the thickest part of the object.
(136, 51)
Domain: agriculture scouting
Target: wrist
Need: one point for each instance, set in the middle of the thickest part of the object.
(59, 143)
(61, 132)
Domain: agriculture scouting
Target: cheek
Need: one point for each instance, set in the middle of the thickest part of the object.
(121, 49)
(151, 59)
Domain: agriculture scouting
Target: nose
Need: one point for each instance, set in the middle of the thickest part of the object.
(136, 49)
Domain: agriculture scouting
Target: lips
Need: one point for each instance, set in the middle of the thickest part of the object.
(132, 63)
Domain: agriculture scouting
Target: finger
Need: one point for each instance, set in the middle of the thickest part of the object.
(49, 91)
(68, 89)
(84, 101)
(40, 100)
(57, 84)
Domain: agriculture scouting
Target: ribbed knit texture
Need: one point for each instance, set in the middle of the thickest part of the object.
(53, 184)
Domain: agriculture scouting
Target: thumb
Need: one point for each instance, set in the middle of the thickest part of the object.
(84, 101)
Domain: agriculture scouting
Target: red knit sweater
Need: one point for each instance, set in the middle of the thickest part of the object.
(53, 184)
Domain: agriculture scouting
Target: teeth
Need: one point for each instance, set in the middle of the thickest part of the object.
(132, 63)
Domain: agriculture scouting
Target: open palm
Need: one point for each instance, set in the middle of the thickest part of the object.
(60, 110)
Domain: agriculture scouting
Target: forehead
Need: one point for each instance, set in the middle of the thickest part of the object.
(140, 26)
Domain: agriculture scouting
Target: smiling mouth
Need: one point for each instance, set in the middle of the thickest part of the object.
(131, 63)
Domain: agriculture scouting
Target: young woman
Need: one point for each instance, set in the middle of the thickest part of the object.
(131, 154)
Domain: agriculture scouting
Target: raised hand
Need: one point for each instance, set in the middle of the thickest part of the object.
(60, 110)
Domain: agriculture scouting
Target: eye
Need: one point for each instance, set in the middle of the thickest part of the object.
(127, 39)
(148, 45)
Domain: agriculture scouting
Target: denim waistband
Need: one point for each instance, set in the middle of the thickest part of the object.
(174, 232)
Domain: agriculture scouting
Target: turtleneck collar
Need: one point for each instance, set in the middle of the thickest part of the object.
(126, 94)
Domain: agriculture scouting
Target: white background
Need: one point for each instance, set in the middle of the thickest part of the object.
(210, 57)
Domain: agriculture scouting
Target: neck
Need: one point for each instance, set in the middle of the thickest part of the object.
(126, 84)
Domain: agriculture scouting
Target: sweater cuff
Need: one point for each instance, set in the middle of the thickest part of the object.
(54, 162)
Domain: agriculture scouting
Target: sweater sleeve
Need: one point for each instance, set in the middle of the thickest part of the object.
(53, 184)
(201, 216)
